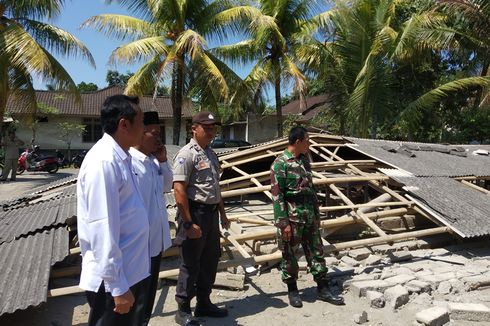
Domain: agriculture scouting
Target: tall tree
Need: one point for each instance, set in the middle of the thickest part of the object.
(274, 30)
(87, 87)
(169, 40)
(365, 46)
(27, 46)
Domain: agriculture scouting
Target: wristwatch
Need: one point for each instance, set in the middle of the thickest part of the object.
(187, 225)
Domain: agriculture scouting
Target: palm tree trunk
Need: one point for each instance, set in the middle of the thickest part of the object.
(177, 96)
(4, 94)
(277, 89)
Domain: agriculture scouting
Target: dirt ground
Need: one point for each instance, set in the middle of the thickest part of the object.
(264, 300)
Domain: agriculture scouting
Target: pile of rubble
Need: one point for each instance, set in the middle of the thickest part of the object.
(436, 280)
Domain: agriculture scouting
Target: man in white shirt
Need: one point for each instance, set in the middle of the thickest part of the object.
(154, 177)
(113, 227)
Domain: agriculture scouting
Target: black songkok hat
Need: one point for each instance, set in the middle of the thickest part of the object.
(150, 118)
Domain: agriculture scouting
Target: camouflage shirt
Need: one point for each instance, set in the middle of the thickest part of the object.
(293, 193)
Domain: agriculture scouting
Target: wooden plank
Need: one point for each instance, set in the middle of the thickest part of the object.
(358, 213)
(231, 193)
(474, 186)
(230, 238)
(254, 180)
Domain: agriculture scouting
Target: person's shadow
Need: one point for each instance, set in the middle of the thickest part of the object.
(237, 308)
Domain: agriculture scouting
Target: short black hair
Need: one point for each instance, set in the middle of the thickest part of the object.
(297, 133)
(115, 108)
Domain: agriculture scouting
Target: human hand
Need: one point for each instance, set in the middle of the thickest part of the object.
(124, 303)
(225, 222)
(194, 232)
(287, 233)
(161, 153)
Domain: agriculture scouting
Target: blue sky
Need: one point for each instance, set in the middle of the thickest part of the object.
(74, 13)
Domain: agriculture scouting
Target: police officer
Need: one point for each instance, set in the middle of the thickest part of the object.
(198, 198)
(297, 217)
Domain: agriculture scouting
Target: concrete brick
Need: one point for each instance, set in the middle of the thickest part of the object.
(474, 282)
(457, 286)
(435, 316)
(437, 278)
(375, 299)
(350, 261)
(402, 271)
(399, 256)
(386, 273)
(439, 252)
(469, 311)
(444, 287)
(424, 300)
(400, 279)
(331, 261)
(383, 249)
(423, 272)
(396, 296)
(359, 254)
(361, 318)
(416, 286)
(372, 260)
(359, 289)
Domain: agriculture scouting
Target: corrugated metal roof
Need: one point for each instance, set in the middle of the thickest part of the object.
(56, 184)
(464, 209)
(429, 160)
(26, 265)
(26, 220)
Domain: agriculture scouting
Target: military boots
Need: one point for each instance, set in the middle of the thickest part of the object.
(204, 307)
(324, 294)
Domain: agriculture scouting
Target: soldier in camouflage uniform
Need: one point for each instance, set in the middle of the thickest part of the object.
(297, 217)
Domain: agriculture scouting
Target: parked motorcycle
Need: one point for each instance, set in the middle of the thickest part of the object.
(78, 159)
(31, 160)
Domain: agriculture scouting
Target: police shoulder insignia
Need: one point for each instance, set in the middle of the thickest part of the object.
(181, 160)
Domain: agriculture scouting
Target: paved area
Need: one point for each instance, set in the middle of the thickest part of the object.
(28, 181)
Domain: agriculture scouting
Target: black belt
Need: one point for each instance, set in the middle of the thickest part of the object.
(209, 207)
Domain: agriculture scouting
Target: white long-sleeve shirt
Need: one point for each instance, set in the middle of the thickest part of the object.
(153, 178)
(113, 227)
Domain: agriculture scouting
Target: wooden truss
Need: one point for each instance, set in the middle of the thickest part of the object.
(349, 184)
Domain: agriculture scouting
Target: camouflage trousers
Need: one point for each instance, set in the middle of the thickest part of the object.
(308, 235)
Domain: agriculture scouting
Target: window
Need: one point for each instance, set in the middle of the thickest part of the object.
(93, 130)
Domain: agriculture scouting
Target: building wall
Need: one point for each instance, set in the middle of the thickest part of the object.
(47, 134)
(169, 130)
(261, 128)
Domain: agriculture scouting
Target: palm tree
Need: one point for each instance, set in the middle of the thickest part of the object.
(364, 43)
(26, 50)
(273, 30)
(471, 25)
(170, 41)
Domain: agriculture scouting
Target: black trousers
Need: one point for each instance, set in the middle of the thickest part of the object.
(102, 307)
(199, 257)
(152, 287)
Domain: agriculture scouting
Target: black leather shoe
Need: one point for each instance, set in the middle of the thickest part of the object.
(185, 319)
(295, 299)
(324, 294)
(206, 308)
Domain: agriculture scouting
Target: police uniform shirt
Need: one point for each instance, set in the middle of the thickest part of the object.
(199, 169)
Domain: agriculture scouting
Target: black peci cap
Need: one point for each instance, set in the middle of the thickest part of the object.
(205, 118)
(150, 118)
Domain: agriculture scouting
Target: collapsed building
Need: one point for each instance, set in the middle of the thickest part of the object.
(371, 192)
